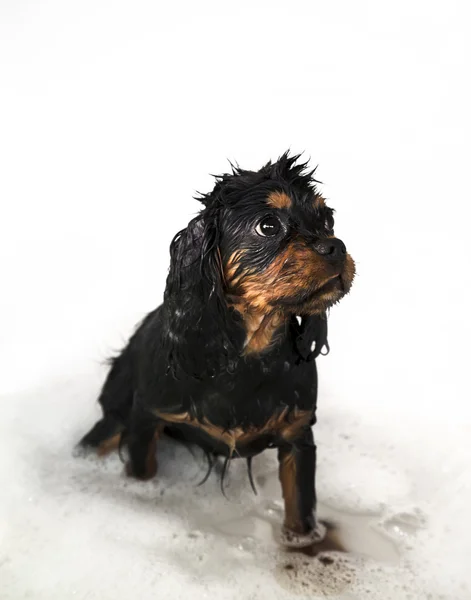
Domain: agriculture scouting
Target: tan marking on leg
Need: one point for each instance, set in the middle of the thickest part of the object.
(151, 460)
(109, 445)
(287, 473)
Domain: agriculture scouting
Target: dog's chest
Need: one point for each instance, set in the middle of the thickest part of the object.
(242, 414)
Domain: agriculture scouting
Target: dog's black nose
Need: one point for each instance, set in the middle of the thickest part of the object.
(331, 249)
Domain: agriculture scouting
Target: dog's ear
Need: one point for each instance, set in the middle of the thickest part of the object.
(195, 311)
(312, 337)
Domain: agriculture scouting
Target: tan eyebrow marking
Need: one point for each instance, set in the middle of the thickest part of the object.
(279, 200)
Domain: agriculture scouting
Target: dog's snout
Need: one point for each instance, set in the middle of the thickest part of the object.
(331, 249)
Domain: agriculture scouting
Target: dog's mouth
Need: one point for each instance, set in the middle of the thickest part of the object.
(328, 292)
(334, 283)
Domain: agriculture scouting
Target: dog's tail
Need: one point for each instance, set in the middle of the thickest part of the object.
(116, 400)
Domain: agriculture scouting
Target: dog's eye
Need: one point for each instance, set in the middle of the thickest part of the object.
(268, 226)
(329, 223)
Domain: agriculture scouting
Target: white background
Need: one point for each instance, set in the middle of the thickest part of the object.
(112, 114)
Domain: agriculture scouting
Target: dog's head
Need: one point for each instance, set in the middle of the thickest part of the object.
(277, 242)
(264, 245)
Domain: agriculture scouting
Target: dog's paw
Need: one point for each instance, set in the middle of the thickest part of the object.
(144, 475)
(291, 539)
(79, 451)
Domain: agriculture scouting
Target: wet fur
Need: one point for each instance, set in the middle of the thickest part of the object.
(227, 361)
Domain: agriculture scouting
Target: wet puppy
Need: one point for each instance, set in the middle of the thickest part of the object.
(227, 361)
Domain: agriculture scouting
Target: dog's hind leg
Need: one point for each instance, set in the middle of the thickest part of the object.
(142, 439)
(116, 400)
(103, 437)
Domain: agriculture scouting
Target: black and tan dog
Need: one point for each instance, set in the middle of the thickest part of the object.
(227, 361)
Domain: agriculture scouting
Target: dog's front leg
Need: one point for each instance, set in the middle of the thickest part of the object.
(297, 467)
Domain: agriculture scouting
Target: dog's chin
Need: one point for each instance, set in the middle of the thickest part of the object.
(312, 301)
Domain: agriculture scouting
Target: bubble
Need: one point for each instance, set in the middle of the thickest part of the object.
(325, 575)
